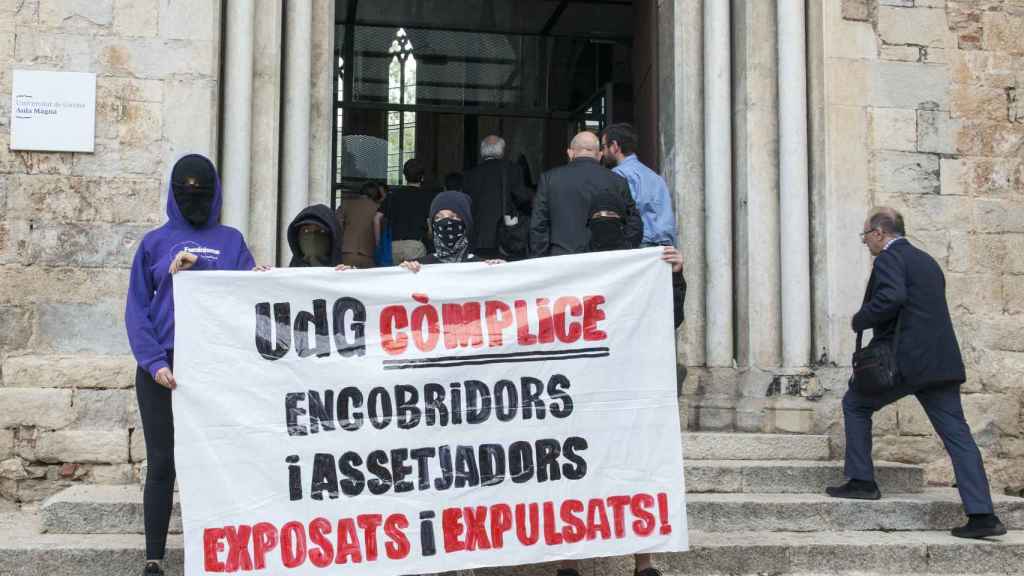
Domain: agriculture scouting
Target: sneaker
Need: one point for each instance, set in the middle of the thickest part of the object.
(855, 489)
(652, 571)
(980, 526)
(153, 569)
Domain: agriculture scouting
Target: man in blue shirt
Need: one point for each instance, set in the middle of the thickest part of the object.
(618, 143)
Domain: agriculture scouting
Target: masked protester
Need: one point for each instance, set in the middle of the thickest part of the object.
(313, 237)
(191, 238)
(451, 226)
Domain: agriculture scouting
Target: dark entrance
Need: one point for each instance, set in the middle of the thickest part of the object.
(430, 78)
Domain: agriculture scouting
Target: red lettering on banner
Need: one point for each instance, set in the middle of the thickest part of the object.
(393, 319)
(552, 536)
(568, 331)
(638, 506)
(321, 553)
(528, 533)
(369, 523)
(665, 528)
(523, 325)
(501, 522)
(592, 314)
(476, 528)
(293, 544)
(462, 327)
(575, 530)
(451, 526)
(264, 540)
(238, 548)
(348, 543)
(597, 520)
(397, 546)
(619, 505)
(212, 546)
(499, 317)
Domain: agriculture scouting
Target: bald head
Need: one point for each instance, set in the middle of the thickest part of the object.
(492, 146)
(586, 145)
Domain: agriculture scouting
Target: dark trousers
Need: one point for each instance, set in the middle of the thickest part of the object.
(158, 427)
(942, 404)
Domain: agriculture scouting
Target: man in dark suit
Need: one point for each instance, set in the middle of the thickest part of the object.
(561, 209)
(905, 307)
(486, 185)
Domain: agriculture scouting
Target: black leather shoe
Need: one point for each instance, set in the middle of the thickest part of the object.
(567, 572)
(652, 571)
(153, 569)
(855, 489)
(980, 526)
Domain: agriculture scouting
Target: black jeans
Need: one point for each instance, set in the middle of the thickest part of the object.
(158, 427)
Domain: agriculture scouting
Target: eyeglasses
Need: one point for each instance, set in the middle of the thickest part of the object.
(866, 232)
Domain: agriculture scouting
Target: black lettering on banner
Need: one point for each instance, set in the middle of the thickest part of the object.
(492, 464)
(548, 451)
(422, 457)
(433, 398)
(325, 477)
(354, 480)
(576, 468)
(319, 321)
(406, 409)
(378, 407)
(350, 397)
(292, 411)
(506, 400)
(427, 545)
(444, 457)
(557, 386)
(265, 330)
(478, 402)
(321, 413)
(399, 470)
(375, 464)
(532, 390)
(294, 478)
(520, 461)
(357, 346)
(466, 471)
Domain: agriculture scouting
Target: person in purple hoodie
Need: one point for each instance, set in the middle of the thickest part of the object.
(192, 238)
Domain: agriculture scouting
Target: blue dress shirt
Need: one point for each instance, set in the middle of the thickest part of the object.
(652, 200)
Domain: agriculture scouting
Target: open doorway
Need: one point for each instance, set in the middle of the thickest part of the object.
(430, 78)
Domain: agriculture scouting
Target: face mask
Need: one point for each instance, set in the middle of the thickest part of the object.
(606, 234)
(316, 248)
(192, 182)
(450, 242)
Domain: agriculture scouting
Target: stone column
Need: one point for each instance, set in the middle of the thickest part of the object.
(793, 185)
(687, 72)
(756, 182)
(324, 64)
(237, 122)
(718, 182)
(298, 52)
(266, 141)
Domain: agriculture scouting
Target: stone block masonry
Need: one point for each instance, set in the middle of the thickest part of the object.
(70, 225)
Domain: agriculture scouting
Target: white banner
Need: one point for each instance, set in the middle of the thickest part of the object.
(386, 422)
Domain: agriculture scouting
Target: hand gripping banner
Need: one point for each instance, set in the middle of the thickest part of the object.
(385, 422)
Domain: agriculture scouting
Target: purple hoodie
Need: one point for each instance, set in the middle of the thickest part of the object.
(149, 313)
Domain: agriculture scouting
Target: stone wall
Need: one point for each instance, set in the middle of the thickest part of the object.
(70, 224)
(930, 89)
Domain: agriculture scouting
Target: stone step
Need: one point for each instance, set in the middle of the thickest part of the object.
(791, 476)
(118, 510)
(933, 509)
(26, 552)
(749, 446)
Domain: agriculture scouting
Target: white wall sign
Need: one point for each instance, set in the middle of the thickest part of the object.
(53, 111)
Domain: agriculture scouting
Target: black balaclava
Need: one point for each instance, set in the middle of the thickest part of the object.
(450, 241)
(607, 232)
(315, 246)
(193, 182)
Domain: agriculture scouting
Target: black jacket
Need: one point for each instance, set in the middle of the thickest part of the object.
(323, 216)
(483, 184)
(907, 281)
(562, 208)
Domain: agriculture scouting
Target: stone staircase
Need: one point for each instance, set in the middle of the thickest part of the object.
(755, 506)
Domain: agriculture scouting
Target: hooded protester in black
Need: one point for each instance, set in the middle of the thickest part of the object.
(321, 248)
(607, 232)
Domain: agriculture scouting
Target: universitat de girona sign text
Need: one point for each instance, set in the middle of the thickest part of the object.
(424, 335)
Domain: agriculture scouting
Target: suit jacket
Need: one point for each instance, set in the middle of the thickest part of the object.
(907, 281)
(483, 184)
(562, 208)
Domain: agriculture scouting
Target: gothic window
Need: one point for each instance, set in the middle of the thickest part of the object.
(401, 91)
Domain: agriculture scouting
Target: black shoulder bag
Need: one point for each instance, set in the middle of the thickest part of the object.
(875, 371)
